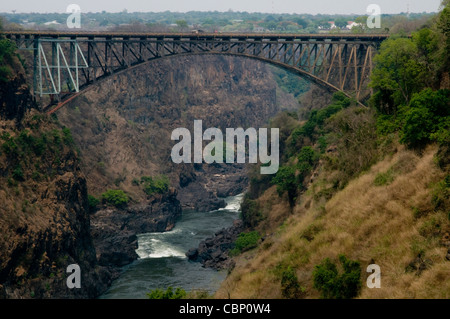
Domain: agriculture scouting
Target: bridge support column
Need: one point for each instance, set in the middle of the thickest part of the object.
(61, 75)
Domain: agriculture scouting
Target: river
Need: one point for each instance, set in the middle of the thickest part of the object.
(162, 261)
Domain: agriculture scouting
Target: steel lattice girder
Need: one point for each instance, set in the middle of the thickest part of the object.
(338, 62)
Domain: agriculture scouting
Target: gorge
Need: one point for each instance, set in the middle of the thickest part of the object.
(116, 134)
(94, 184)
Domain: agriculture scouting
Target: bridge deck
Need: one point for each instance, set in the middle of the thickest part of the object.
(203, 36)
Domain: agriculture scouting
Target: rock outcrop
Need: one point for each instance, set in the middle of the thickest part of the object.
(214, 252)
(114, 231)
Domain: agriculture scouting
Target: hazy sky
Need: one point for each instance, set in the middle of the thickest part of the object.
(277, 6)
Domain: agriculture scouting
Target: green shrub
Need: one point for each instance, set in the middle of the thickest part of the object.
(327, 112)
(382, 179)
(425, 119)
(158, 185)
(67, 136)
(25, 141)
(7, 51)
(317, 119)
(17, 173)
(335, 285)
(417, 127)
(307, 158)
(245, 241)
(93, 202)
(290, 287)
(440, 194)
(9, 146)
(322, 143)
(56, 136)
(250, 212)
(168, 294)
(286, 181)
(39, 145)
(117, 198)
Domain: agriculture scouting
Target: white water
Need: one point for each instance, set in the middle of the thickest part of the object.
(162, 261)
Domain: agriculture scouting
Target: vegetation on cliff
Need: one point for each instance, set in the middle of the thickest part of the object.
(359, 186)
(44, 221)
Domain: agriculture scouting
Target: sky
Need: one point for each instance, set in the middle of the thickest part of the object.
(267, 6)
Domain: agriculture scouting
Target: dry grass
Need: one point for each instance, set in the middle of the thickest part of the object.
(365, 222)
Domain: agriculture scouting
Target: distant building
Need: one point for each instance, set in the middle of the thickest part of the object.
(54, 22)
(332, 25)
(352, 24)
(258, 29)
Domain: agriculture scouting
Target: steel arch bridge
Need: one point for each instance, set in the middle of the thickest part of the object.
(68, 63)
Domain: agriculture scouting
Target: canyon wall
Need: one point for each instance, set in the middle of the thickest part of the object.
(123, 125)
(44, 214)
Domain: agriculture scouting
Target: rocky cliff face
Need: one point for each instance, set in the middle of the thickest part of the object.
(123, 125)
(44, 218)
(114, 231)
(122, 128)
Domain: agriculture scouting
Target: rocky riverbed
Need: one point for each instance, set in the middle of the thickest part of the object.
(114, 231)
(213, 252)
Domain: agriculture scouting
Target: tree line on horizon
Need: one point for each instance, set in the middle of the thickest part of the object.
(212, 21)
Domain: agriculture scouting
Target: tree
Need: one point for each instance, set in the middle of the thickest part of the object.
(7, 51)
(427, 119)
(290, 287)
(341, 23)
(286, 181)
(117, 198)
(429, 55)
(361, 26)
(417, 127)
(307, 158)
(397, 74)
(301, 22)
(182, 24)
(443, 25)
(335, 285)
(158, 184)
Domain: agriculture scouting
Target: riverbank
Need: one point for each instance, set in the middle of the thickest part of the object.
(162, 261)
(115, 232)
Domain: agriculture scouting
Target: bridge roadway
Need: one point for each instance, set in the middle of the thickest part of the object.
(190, 35)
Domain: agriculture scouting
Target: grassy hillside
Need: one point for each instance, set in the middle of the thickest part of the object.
(360, 186)
(395, 225)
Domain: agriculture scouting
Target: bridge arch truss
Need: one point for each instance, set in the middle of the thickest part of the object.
(338, 62)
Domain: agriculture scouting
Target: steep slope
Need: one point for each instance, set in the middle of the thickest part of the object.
(362, 187)
(396, 226)
(44, 214)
